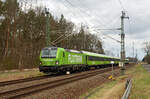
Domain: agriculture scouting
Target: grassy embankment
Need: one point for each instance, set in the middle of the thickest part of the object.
(115, 89)
(13, 75)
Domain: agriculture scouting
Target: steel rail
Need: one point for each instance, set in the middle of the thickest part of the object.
(11, 82)
(48, 85)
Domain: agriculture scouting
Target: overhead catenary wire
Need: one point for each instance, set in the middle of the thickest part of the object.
(82, 10)
(84, 20)
(81, 15)
(62, 35)
(120, 2)
(59, 38)
(72, 6)
(89, 15)
(63, 38)
(100, 22)
(92, 13)
(108, 36)
(129, 22)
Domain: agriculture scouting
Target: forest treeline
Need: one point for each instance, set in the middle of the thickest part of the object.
(146, 49)
(23, 35)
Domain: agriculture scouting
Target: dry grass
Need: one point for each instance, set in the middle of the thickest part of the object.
(115, 89)
(115, 92)
(5, 76)
(111, 90)
(141, 84)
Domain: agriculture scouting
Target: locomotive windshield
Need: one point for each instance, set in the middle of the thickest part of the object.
(49, 53)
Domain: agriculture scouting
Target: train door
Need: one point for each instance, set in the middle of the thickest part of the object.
(86, 59)
(63, 58)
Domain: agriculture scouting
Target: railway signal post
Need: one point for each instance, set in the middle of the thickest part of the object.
(112, 62)
(123, 16)
(47, 28)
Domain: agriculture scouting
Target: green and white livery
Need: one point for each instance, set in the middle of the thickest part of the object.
(55, 59)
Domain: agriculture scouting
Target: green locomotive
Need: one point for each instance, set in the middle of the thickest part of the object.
(55, 59)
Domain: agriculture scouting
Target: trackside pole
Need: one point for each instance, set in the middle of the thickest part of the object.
(112, 73)
(123, 16)
(112, 62)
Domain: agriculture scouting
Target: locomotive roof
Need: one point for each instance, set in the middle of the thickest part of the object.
(50, 48)
(73, 51)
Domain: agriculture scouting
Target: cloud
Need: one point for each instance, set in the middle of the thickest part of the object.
(106, 14)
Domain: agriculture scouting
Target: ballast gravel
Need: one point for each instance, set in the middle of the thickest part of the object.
(73, 90)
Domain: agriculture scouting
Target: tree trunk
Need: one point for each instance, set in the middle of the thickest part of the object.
(7, 42)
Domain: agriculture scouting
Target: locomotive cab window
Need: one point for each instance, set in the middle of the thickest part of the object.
(49, 53)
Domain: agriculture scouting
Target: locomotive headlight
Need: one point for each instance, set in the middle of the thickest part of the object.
(40, 63)
(57, 62)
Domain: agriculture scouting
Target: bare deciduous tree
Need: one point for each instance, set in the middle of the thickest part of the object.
(146, 49)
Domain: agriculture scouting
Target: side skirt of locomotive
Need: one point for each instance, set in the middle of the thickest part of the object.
(71, 68)
(64, 68)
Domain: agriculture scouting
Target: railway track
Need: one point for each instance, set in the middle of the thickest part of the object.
(17, 93)
(22, 80)
(25, 80)
(11, 82)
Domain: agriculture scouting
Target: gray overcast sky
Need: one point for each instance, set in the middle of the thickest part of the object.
(105, 14)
